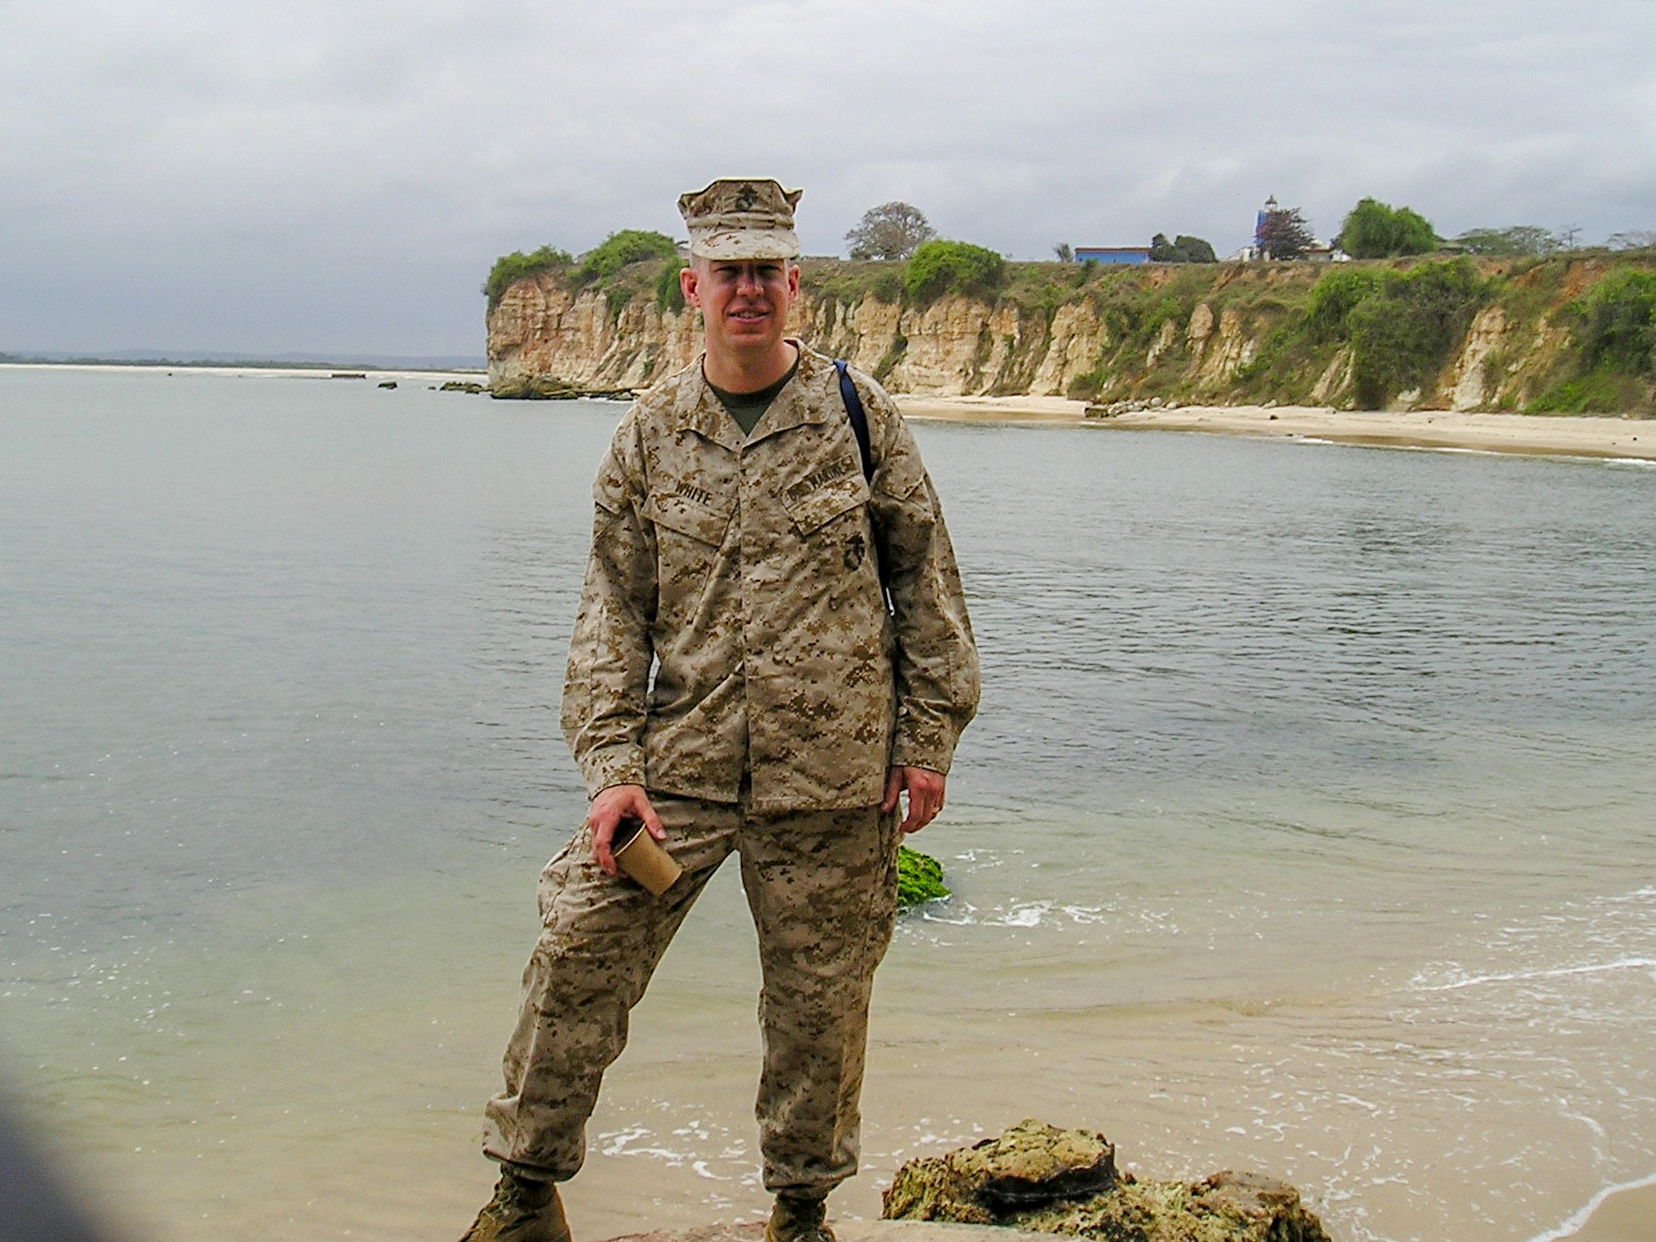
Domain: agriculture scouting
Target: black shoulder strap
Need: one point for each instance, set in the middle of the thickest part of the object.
(859, 419)
(859, 427)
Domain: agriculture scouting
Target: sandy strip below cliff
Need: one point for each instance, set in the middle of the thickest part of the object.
(1428, 429)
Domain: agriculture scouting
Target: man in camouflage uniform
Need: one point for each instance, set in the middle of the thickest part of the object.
(737, 683)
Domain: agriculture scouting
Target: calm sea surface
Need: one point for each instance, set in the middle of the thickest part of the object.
(1308, 825)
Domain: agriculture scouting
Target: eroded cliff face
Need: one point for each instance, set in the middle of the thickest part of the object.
(955, 346)
(541, 331)
(1204, 334)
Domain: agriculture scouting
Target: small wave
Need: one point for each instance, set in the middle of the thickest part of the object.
(1560, 972)
(1645, 462)
(1026, 914)
(1573, 1224)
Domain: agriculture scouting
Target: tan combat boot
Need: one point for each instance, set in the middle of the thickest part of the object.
(522, 1210)
(794, 1219)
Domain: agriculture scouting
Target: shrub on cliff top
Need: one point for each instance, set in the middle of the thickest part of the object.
(621, 249)
(1329, 305)
(1403, 333)
(939, 267)
(1619, 324)
(511, 268)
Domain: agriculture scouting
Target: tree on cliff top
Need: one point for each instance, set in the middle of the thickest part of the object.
(1374, 230)
(1182, 249)
(1283, 234)
(1517, 239)
(890, 231)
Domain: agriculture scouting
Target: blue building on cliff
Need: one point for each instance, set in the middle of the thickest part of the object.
(1112, 254)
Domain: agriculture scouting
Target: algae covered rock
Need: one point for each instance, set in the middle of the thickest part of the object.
(1042, 1179)
(919, 878)
(1030, 1166)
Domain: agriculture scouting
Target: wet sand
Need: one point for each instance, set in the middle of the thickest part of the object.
(1596, 436)
(1626, 1216)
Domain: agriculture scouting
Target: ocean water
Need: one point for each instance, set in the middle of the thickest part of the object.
(1306, 826)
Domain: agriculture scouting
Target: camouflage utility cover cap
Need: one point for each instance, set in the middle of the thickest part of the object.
(736, 219)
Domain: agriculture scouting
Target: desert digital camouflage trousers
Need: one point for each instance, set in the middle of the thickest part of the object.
(822, 888)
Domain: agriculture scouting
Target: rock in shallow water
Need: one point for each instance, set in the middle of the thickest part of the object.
(919, 878)
(1039, 1178)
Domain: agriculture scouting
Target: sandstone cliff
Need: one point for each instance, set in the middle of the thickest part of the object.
(1499, 334)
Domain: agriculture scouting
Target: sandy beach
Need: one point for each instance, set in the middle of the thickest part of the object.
(1598, 436)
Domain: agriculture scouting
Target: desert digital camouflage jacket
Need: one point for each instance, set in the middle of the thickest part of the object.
(732, 621)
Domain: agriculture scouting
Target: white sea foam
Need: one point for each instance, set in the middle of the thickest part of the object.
(1519, 976)
(1572, 1225)
(1018, 914)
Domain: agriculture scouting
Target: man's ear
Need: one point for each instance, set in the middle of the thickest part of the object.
(687, 285)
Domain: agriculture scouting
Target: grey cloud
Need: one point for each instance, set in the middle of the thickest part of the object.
(268, 176)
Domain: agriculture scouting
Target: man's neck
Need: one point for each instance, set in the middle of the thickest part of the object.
(741, 372)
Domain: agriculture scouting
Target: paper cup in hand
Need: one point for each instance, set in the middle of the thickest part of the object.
(640, 855)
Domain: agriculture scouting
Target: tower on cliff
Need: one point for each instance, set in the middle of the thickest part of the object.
(1259, 227)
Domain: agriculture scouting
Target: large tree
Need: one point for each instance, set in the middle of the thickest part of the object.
(1283, 233)
(1182, 249)
(1374, 230)
(890, 231)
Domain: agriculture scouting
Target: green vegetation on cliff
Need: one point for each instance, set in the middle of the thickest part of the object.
(1558, 333)
(1615, 323)
(1374, 334)
(938, 267)
(1402, 327)
(511, 268)
(605, 261)
(616, 265)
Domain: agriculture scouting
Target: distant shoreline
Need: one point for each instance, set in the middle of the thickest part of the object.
(407, 366)
(306, 370)
(1446, 430)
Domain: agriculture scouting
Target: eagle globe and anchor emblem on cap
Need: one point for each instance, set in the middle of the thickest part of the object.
(741, 219)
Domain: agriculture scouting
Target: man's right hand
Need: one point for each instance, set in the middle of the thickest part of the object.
(608, 809)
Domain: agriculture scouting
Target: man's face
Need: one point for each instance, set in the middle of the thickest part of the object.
(744, 304)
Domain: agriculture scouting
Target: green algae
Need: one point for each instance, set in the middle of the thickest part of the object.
(919, 878)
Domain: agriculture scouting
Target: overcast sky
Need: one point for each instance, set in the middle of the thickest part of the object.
(339, 175)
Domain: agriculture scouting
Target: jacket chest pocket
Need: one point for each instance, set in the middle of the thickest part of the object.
(691, 518)
(689, 535)
(815, 510)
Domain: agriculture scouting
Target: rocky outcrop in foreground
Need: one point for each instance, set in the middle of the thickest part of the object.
(1041, 1179)
(1036, 1180)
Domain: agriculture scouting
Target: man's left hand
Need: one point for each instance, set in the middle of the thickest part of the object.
(925, 795)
